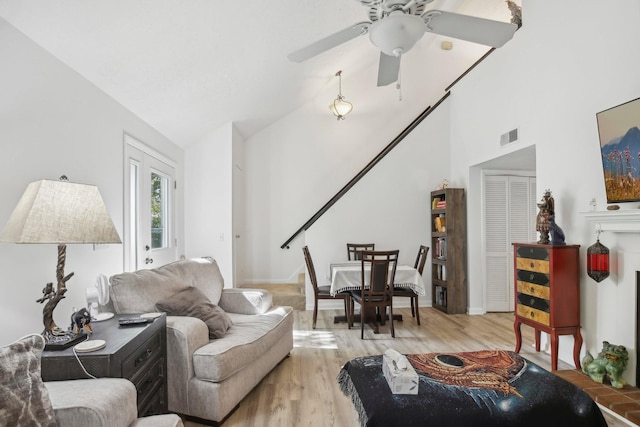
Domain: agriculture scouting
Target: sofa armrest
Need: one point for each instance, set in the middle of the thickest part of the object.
(184, 336)
(93, 402)
(101, 402)
(245, 301)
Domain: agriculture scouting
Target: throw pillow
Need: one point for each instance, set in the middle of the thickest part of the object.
(25, 399)
(194, 303)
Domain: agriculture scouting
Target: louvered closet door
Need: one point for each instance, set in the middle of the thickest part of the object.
(533, 210)
(508, 218)
(496, 250)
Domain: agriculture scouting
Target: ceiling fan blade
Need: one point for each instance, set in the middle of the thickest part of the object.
(469, 28)
(330, 42)
(388, 69)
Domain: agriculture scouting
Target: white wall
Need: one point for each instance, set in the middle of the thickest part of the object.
(297, 164)
(570, 60)
(389, 206)
(208, 206)
(214, 207)
(54, 122)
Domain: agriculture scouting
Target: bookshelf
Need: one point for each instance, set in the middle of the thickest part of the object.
(449, 250)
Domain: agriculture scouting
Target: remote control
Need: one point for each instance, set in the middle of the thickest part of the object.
(132, 321)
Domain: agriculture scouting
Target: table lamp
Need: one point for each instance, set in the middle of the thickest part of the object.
(59, 212)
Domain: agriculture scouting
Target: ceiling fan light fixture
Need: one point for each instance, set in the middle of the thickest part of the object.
(397, 33)
(339, 107)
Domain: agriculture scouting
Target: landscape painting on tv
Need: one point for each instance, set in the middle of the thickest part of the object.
(619, 132)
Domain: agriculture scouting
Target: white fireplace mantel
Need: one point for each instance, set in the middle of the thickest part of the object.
(620, 221)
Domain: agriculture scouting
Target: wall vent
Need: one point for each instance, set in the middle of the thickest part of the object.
(509, 137)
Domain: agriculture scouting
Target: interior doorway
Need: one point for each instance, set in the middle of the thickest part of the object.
(487, 274)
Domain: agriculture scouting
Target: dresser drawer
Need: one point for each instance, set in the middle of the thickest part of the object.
(531, 264)
(534, 302)
(148, 384)
(148, 351)
(533, 314)
(155, 405)
(532, 252)
(532, 289)
(533, 277)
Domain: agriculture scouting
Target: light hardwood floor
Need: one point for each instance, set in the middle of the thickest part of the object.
(303, 391)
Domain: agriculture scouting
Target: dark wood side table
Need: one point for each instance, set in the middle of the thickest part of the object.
(138, 353)
(547, 294)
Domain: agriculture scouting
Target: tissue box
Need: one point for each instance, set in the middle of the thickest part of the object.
(400, 381)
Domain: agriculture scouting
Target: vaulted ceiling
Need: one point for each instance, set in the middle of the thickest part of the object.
(189, 66)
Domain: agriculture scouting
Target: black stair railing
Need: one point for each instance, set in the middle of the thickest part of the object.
(381, 155)
(364, 171)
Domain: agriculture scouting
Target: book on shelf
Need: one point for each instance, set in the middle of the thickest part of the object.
(441, 295)
(441, 204)
(440, 223)
(440, 250)
(434, 202)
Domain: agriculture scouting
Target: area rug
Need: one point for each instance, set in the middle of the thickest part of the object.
(481, 388)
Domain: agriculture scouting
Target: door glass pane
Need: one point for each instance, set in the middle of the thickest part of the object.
(159, 210)
(133, 216)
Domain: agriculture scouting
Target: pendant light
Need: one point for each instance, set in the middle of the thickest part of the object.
(339, 107)
(598, 260)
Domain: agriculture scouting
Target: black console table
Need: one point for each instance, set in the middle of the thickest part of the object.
(138, 353)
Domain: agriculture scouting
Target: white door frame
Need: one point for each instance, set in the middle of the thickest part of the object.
(142, 158)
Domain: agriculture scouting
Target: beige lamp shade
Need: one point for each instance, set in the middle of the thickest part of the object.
(60, 212)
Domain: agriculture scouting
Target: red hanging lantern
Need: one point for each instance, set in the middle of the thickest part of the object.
(598, 260)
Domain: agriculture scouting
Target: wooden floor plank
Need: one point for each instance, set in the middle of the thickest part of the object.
(303, 391)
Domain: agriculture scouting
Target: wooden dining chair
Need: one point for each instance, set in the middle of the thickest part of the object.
(354, 250)
(378, 272)
(323, 292)
(421, 259)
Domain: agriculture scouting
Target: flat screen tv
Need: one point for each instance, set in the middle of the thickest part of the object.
(618, 128)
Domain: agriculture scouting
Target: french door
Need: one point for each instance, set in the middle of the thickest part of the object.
(149, 207)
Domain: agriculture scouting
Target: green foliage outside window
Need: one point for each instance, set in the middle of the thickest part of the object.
(157, 226)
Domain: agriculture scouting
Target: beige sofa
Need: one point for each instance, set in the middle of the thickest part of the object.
(208, 377)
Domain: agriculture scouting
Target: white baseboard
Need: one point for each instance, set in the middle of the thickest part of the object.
(616, 415)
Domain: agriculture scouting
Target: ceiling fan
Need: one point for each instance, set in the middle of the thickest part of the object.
(396, 25)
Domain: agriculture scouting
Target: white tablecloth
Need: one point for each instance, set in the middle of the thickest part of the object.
(346, 276)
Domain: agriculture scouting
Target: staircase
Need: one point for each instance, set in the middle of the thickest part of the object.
(291, 294)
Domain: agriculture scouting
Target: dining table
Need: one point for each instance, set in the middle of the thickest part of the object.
(347, 276)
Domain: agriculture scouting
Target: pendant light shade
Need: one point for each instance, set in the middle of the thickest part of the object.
(598, 260)
(339, 107)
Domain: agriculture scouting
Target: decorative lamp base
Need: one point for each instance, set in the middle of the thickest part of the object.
(61, 342)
